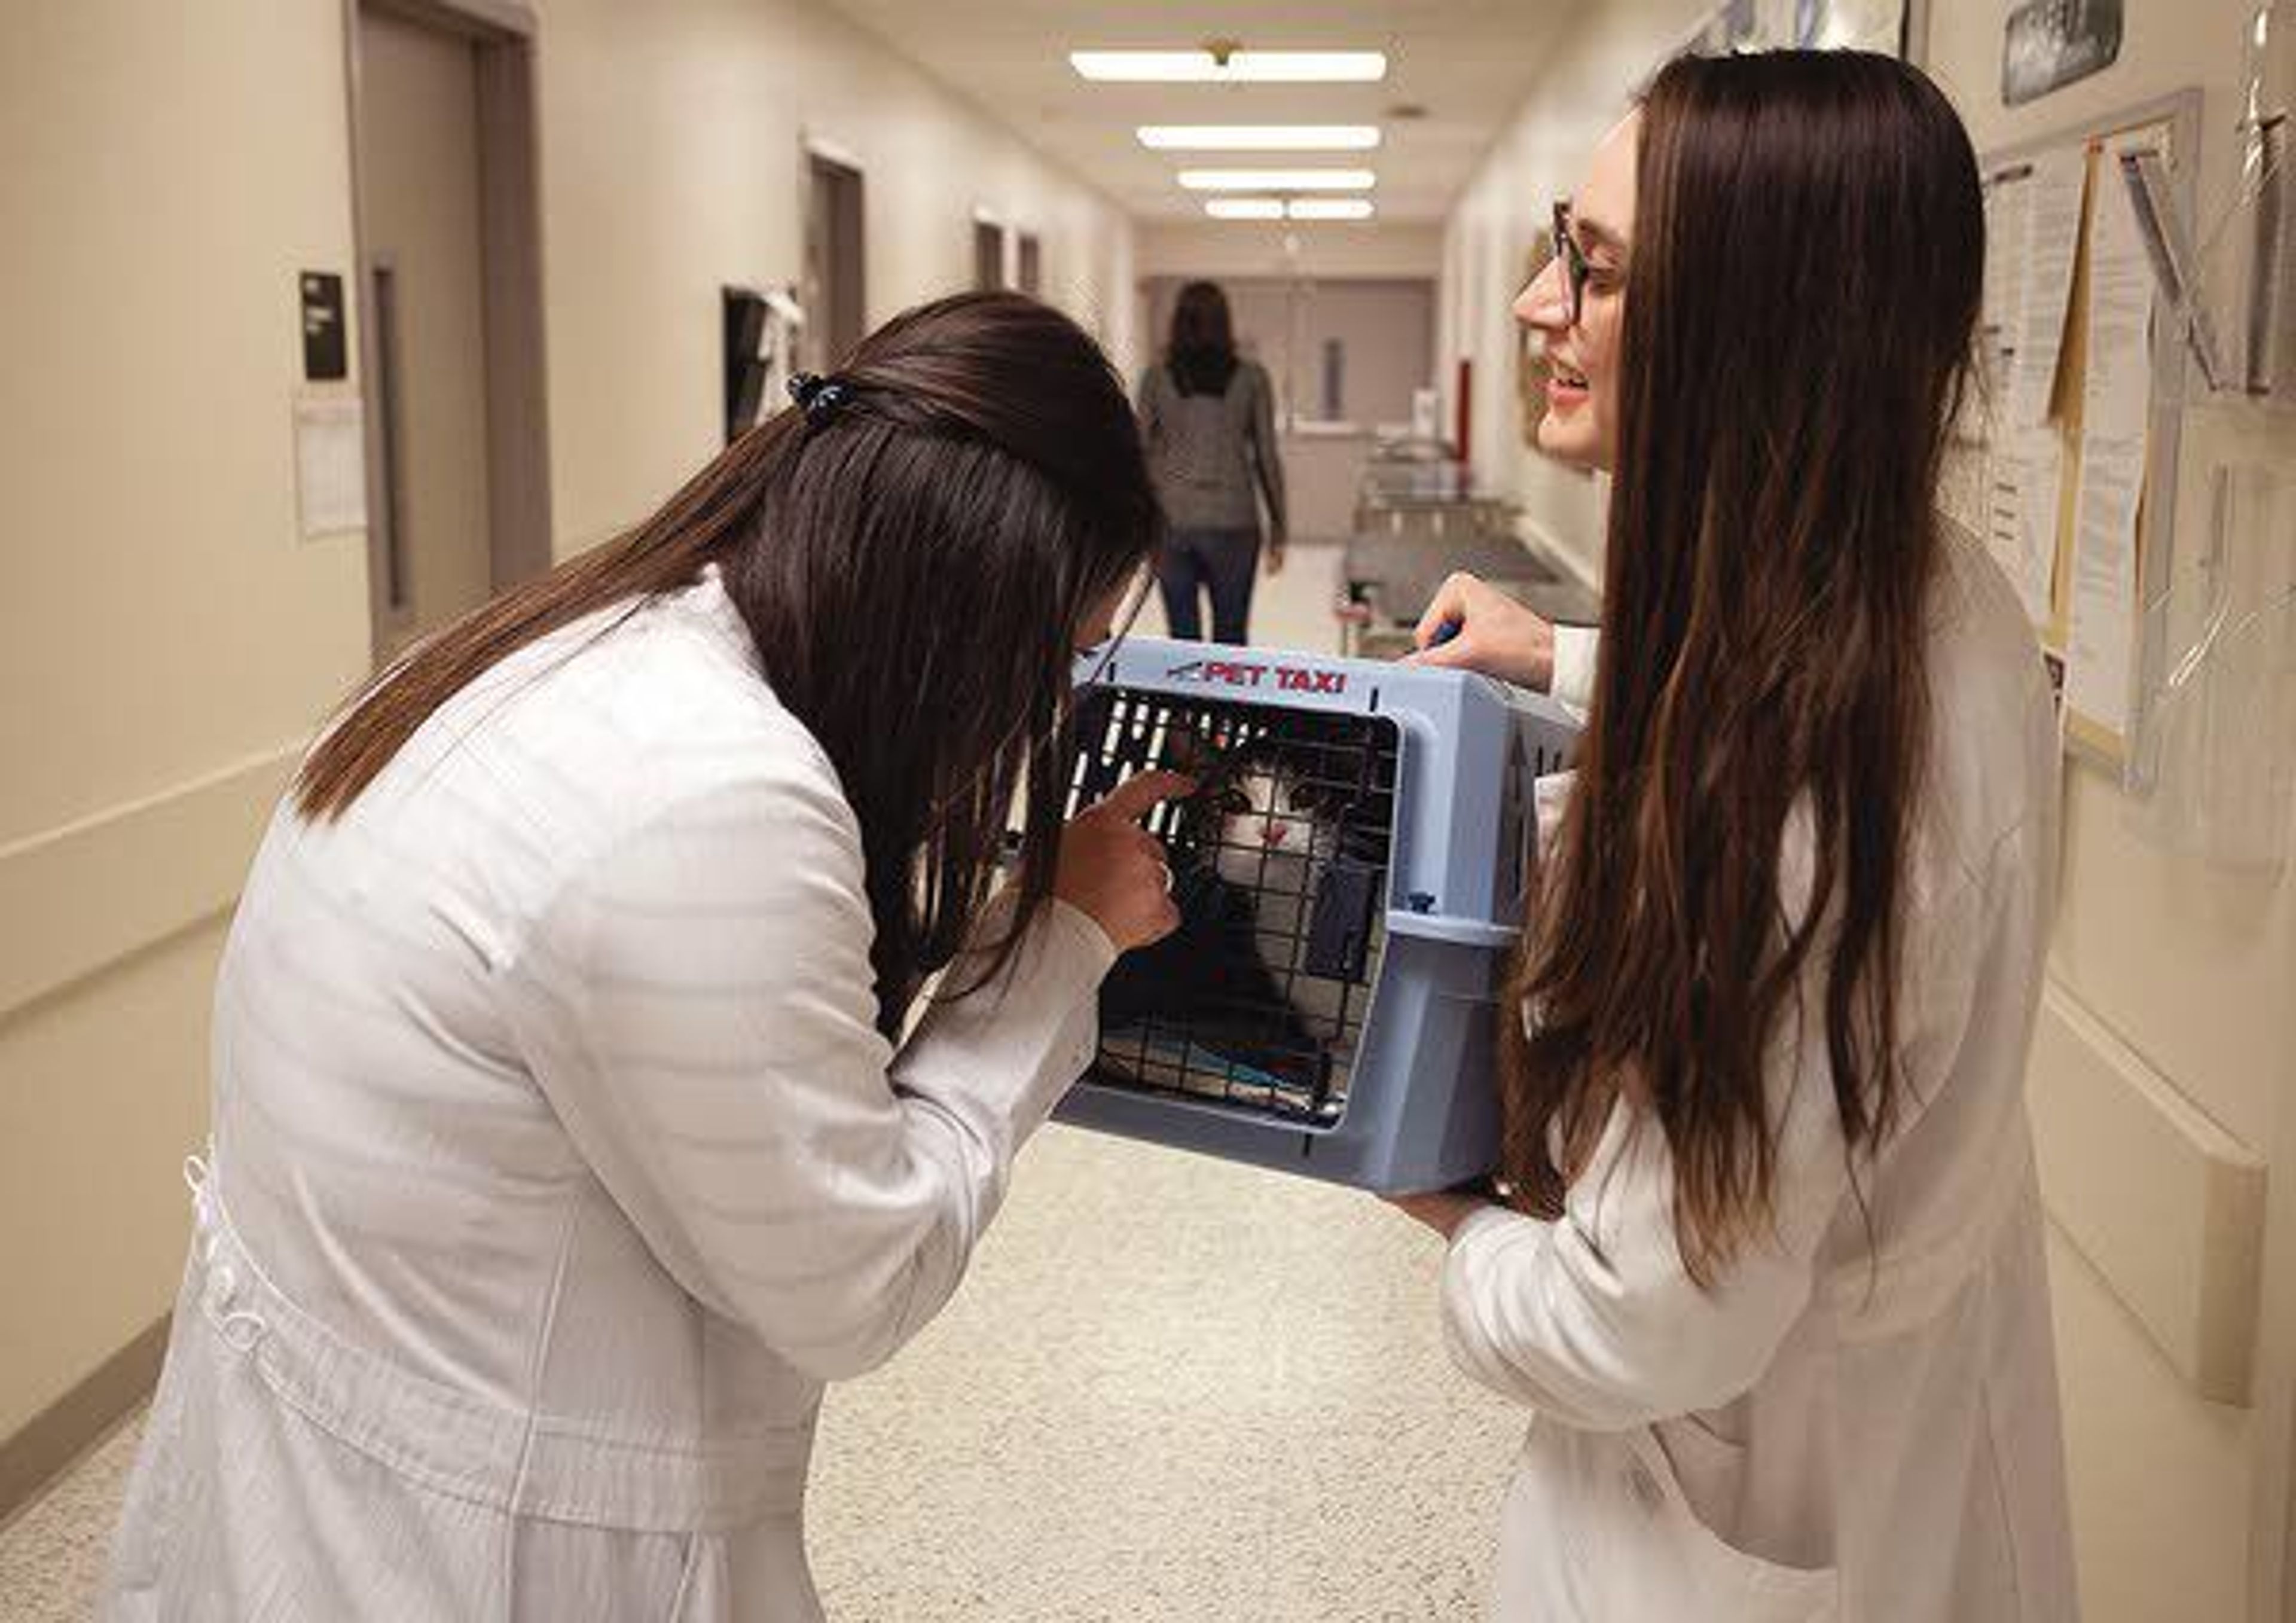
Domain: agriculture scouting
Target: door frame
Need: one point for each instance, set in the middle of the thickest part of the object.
(988, 220)
(826, 338)
(510, 236)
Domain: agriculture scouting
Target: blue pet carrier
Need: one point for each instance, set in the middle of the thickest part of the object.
(1349, 875)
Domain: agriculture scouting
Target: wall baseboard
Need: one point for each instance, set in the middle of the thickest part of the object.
(61, 1435)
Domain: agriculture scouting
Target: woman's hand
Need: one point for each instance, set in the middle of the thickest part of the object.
(1113, 870)
(1489, 632)
(1441, 1209)
(1276, 542)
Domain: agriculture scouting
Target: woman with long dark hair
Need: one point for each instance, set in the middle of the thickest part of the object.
(580, 1104)
(1769, 1266)
(1208, 417)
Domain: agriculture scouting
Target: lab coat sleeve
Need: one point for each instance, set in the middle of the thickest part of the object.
(1593, 1319)
(697, 1006)
(1573, 682)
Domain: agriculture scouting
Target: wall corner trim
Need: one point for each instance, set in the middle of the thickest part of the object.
(2164, 1202)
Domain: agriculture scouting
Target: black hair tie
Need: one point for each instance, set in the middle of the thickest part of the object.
(818, 397)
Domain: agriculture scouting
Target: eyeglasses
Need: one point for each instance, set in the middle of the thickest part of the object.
(1574, 262)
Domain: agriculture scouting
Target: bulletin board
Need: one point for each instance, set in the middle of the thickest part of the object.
(2067, 470)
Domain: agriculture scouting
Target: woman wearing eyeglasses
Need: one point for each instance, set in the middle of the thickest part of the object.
(1769, 1269)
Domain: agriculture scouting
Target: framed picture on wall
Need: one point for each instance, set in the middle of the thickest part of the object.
(1851, 25)
(1777, 25)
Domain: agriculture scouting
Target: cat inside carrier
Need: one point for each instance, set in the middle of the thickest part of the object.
(1349, 875)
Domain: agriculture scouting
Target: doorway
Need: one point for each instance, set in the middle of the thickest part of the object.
(832, 291)
(1344, 354)
(988, 256)
(448, 229)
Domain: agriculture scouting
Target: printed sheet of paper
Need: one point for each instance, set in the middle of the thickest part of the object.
(330, 465)
(2008, 210)
(2048, 210)
(2026, 474)
(2114, 408)
(1965, 486)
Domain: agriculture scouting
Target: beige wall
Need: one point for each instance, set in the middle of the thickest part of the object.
(672, 149)
(169, 642)
(2182, 1505)
(1249, 248)
(1580, 92)
(163, 179)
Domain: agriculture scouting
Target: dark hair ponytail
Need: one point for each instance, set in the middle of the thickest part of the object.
(1202, 352)
(912, 566)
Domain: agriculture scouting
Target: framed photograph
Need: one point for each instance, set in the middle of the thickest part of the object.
(1820, 25)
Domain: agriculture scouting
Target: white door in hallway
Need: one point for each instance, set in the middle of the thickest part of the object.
(419, 184)
(1344, 354)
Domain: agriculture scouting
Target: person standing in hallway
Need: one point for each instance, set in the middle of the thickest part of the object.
(1769, 1263)
(1208, 417)
(580, 1104)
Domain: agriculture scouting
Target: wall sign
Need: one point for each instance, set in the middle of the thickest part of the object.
(326, 356)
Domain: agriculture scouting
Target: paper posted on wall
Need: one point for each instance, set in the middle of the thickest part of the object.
(330, 465)
(2026, 475)
(2047, 210)
(2115, 406)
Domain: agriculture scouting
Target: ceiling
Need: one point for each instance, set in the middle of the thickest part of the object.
(1467, 63)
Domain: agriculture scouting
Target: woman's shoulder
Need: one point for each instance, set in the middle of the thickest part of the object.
(663, 705)
(1993, 729)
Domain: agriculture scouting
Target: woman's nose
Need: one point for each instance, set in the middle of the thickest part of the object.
(1542, 303)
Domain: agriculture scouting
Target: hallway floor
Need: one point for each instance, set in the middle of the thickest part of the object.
(1170, 1389)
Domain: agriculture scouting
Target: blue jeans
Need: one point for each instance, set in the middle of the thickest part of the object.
(1223, 562)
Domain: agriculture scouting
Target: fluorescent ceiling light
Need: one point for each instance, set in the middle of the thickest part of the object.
(1278, 180)
(1298, 208)
(1244, 208)
(1202, 67)
(1330, 209)
(1259, 137)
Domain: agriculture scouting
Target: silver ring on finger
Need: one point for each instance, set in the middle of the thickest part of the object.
(1166, 869)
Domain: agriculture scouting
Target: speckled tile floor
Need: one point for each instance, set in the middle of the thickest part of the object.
(1170, 1389)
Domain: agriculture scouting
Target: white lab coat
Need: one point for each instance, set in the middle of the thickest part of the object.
(557, 1163)
(1837, 1430)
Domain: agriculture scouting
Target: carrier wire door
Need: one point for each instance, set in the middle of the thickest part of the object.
(1279, 860)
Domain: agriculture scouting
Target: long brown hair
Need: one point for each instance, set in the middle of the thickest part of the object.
(1202, 348)
(1800, 303)
(912, 569)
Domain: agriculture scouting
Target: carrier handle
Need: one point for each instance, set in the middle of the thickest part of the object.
(1449, 930)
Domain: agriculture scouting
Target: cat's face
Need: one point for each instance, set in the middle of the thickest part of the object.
(1267, 806)
(1273, 819)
